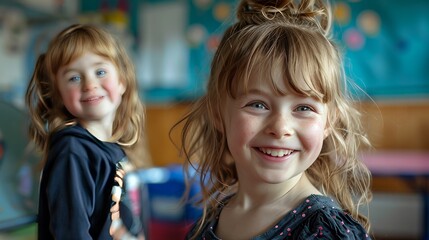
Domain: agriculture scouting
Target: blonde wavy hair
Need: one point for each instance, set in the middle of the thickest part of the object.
(46, 109)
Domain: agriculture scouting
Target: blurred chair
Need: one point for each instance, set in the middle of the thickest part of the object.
(19, 173)
(164, 213)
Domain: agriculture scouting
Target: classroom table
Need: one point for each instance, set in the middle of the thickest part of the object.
(410, 165)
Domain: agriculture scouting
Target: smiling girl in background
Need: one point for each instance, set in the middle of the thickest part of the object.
(84, 108)
(276, 138)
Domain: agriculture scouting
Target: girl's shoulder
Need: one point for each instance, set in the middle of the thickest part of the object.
(72, 132)
(315, 217)
(76, 134)
(321, 217)
(77, 144)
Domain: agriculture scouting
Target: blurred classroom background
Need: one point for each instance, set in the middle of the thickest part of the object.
(171, 42)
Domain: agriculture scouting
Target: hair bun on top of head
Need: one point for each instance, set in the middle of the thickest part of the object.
(309, 13)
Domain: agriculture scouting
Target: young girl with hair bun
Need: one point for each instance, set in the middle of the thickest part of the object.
(276, 138)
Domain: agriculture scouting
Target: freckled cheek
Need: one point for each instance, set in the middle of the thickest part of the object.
(239, 139)
(71, 100)
(71, 96)
(113, 91)
(243, 130)
(312, 135)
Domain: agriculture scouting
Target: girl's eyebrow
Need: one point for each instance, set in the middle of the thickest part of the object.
(252, 91)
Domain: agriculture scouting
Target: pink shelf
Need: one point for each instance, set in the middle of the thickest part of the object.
(397, 162)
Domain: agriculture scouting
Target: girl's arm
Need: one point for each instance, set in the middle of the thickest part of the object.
(70, 194)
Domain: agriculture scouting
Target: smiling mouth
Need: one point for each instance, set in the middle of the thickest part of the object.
(276, 152)
(93, 99)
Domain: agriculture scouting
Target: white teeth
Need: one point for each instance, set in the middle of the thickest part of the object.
(276, 153)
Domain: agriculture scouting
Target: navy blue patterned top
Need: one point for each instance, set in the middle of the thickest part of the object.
(317, 217)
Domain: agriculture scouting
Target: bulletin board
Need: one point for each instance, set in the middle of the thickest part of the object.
(386, 46)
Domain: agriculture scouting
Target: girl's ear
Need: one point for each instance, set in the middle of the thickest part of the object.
(330, 123)
(327, 132)
(122, 87)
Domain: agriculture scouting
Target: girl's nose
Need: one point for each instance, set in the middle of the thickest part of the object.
(89, 84)
(280, 126)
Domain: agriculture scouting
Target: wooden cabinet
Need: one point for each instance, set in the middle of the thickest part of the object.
(397, 125)
(159, 120)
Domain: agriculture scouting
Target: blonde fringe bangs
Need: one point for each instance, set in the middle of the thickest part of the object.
(305, 75)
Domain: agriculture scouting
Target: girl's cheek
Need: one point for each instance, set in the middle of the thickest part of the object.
(314, 133)
(115, 91)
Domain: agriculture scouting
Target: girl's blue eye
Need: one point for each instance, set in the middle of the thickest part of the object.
(101, 73)
(304, 108)
(75, 79)
(258, 105)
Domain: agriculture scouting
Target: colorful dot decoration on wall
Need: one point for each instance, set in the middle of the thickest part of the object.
(222, 11)
(196, 35)
(213, 42)
(366, 24)
(342, 13)
(369, 22)
(401, 44)
(353, 39)
(204, 29)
